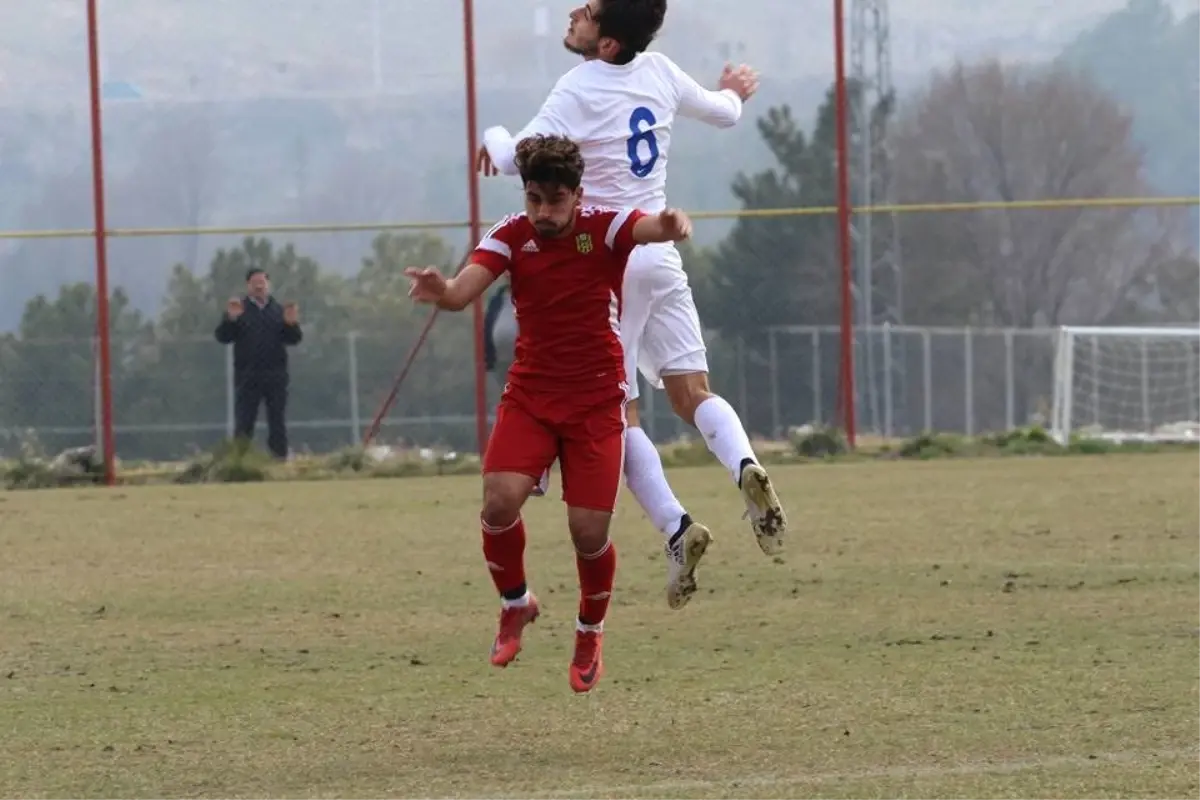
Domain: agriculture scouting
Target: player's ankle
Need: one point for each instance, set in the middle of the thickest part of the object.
(746, 462)
(515, 598)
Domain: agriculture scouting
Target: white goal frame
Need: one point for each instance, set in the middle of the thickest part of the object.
(1071, 339)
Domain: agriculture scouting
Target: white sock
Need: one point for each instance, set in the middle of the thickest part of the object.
(582, 628)
(520, 602)
(724, 434)
(645, 478)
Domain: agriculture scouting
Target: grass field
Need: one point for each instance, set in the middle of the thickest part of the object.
(1006, 627)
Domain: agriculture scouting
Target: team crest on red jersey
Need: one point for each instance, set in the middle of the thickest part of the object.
(583, 243)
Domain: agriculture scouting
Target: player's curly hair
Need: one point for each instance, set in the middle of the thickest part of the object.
(633, 23)
(554, 160)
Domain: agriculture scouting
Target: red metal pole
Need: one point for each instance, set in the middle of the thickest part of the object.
(101, 235)
(481, 426)
(846, 377)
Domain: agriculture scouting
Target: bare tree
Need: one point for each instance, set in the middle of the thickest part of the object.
(996, 132)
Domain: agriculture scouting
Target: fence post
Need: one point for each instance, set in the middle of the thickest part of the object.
(887, 380)
(773, 356)
(818, 416)
(352, 356)
(1147, 417)
(229, 405)
(969, 380)
(1193, 411)
(927, 370)
(1009, 404)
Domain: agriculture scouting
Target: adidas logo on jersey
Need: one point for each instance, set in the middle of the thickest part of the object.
(530, 247)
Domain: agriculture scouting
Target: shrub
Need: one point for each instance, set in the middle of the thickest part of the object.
(230, 461)
(934, 445)
(823, 442)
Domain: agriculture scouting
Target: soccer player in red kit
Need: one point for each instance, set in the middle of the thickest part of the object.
(566, 391)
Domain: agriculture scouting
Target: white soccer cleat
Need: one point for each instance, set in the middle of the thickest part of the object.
(764, 509)
(684, 552)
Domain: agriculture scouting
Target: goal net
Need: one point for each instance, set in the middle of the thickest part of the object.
(1126, 384)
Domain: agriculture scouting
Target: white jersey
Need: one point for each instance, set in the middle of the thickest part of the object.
(621, 118)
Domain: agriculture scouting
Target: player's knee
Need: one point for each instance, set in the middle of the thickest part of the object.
(686, 393)
(502, 501)
(589, 529)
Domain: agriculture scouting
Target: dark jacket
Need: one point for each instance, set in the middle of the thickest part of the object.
(259, 338)
(499, 333)
(492, 314)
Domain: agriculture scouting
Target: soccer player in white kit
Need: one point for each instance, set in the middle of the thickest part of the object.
(619, 106)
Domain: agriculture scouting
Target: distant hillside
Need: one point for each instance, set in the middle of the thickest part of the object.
(226, 48)
(1149, 59)
(266, 111)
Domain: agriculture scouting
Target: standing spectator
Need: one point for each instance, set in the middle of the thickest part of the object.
(260, 330)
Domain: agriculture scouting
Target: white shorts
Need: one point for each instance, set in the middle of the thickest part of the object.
(660, 329)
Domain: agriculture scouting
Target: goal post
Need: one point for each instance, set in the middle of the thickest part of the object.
(1127, 384)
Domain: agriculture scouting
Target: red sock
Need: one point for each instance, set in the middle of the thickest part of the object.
(504, 551)
(596, 574)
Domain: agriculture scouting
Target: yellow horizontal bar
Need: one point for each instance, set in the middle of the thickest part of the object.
(804, 211)
(982, 205)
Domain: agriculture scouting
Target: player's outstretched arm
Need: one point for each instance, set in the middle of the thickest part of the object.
(671, 225)
(428, 285)
(500, 147)
(721, 108)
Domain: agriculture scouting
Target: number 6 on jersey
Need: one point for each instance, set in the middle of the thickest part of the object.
(637, 134)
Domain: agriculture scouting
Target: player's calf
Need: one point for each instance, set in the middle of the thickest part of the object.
(503, 533)
(596, 561)
(727, 440)
(686, 540)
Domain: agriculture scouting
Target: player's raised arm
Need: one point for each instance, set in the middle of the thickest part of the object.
(670, 225)
(490, 259)
(721, 108)
(500, 147)
(631, 227)
(429, 285)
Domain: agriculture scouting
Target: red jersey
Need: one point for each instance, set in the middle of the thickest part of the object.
(567, 296)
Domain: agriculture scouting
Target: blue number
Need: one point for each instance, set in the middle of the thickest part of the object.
(637, 134)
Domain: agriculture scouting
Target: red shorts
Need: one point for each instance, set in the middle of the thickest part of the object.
(586, 433)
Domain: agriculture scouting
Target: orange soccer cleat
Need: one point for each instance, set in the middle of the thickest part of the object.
(587, 666)
(513, 620)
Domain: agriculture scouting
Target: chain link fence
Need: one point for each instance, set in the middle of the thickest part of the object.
(325, 142)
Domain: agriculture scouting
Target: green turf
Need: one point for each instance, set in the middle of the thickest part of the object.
(1002, 628)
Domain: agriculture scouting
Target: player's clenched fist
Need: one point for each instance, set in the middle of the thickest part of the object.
(426, 284)
(676, 224)
(742, 80)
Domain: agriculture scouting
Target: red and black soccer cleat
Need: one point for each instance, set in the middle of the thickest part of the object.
(587, 666)
(513, 620)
